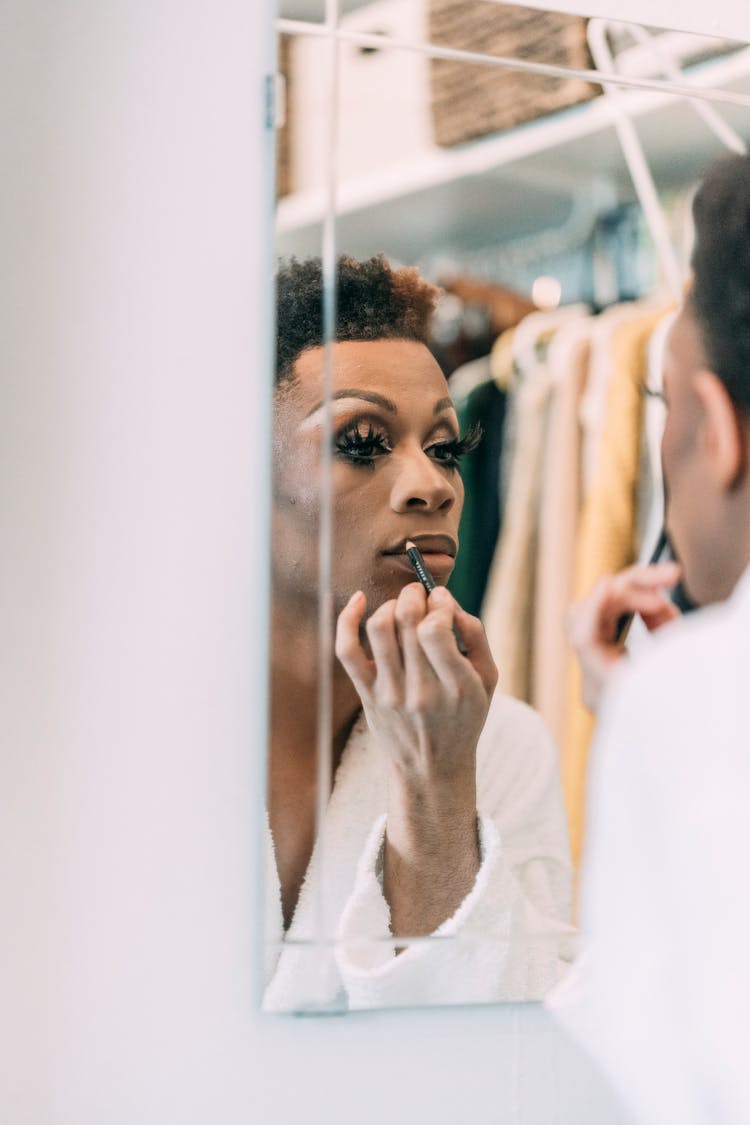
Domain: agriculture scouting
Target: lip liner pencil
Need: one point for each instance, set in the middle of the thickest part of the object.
(424, 576)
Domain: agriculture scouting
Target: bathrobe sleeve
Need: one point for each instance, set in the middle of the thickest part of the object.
(510, 939)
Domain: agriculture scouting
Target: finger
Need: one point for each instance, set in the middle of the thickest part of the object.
(420, 678)
(477, 646)
(411, 609)
(348, 647)
(411, 605)
(668, 612)
(582, 616)
(438, 644)
(386, 654)
(668, 573)
(478, 655)
(653, 577)
(645, 603)
(595, 619)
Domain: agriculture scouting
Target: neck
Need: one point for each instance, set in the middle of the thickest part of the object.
(295, 684)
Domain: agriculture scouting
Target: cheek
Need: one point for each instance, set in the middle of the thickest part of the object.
(676, 449)
(458, 485)
(358, 497)
(296, 481)
(688, 506)
(667, 457)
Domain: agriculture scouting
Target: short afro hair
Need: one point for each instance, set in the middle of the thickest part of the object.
(720, 292)
(373, 302)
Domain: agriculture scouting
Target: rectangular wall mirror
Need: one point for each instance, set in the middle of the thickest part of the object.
(478, 261)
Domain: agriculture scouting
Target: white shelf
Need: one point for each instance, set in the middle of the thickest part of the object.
(519, 180)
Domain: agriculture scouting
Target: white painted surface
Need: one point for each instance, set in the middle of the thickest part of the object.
(134, 434)
(724, 18)
(398, 206)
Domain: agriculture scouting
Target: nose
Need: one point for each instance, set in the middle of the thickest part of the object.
(422, 485)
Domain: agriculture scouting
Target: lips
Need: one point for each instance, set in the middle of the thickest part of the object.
(428, 545)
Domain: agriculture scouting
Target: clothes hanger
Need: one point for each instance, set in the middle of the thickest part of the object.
(632, 148)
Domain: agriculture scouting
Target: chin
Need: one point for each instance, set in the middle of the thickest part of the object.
(385, 590)
(686, 585)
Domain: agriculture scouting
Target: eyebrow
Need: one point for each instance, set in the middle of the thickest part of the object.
(368, 396)
(377, 400)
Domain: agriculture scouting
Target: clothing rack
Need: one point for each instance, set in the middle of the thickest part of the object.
(643, 181)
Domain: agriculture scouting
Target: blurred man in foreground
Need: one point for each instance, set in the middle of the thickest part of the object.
(661, 995)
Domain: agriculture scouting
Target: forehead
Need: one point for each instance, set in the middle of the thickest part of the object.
(398, 369)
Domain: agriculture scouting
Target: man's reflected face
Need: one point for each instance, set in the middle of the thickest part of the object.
(394, 473)
(691, 505)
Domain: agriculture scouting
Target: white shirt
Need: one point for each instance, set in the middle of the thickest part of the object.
(509, 938)
(661, 997)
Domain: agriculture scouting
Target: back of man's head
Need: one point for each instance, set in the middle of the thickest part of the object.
(720, 293)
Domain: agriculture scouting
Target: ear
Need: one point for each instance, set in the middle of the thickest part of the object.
(724, 434)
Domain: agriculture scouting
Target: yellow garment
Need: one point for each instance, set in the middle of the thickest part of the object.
(560, 504)
(508, 606)
(607, 532)
(502, 359)
(507, 609)
(594, 402)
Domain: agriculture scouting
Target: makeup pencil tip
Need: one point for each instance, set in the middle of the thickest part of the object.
(409, 546)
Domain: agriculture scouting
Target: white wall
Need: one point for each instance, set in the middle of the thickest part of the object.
(136, 284)
(725, 18)
(728, 19)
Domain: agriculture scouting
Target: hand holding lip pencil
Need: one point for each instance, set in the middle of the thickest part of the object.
(425, 705)
(598, 624)
(424, 576)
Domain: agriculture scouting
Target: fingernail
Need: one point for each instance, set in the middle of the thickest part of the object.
(356, 596)
(440, 595)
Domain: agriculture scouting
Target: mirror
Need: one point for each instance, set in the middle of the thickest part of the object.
(515, 284)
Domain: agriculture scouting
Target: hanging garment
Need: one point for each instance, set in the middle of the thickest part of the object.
(651, 485)
(650, 508)
(505, 372)
(468, 377)
(502, 363)
(481, 517)
(470, 319)
(507, 611)
(558, 520)
(594, 401)
(664, 904)
(505, 307)
(607, 532)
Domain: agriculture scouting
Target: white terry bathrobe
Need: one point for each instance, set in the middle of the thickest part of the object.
(510, 939)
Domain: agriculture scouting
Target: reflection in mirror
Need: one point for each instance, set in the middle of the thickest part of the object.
(309, 11)
(504, 280)
(313, 11)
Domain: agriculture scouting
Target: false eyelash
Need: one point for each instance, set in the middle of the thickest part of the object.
(652, 392)
(452, 451)
(470, 440)
(361, 448)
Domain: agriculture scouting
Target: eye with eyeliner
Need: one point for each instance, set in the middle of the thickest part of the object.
(361, 442)
(449, 453)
